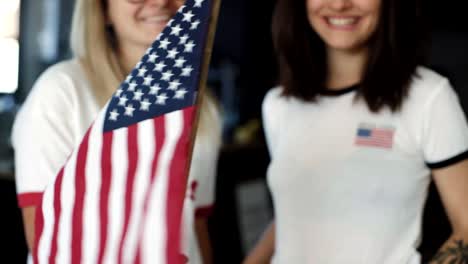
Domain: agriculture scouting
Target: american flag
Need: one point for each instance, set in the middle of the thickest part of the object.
(119, 197)
(374, 137)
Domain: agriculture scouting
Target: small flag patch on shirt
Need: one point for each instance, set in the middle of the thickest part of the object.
(374, 137)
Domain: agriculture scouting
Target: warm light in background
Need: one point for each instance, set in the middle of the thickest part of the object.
(9, 47)
(9, 52)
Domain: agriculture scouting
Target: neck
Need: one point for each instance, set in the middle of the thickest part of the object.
(129, 57)
(345, 68)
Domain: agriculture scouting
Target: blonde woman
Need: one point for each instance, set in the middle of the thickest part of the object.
(108, 39)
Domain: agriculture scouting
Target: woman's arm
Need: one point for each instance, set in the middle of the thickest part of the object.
(201, 228)
(452, 183)
(29, 216)
(263, 251)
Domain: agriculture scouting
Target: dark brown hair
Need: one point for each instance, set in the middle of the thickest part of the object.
(396, 48)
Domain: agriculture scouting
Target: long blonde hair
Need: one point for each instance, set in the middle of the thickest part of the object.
(93, 42)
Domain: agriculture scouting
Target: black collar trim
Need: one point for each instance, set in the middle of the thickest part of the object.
(341, 91)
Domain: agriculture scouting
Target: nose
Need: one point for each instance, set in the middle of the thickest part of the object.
(341, 5)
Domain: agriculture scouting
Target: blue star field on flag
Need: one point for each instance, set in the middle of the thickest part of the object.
(167, 77)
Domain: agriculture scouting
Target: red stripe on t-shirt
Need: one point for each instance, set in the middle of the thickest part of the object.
(38, 227)
(29, 199)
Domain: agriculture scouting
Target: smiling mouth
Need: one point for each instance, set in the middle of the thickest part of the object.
(156, 19)
(342, 22)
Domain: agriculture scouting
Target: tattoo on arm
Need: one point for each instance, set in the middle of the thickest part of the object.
(456, 253)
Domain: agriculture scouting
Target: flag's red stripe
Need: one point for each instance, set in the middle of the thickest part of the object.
(80, 189)
(138, 253)
(57, 211)
(106, 175)
(132, 141)
(374, 143)
(374, 140)
(38, 227)
(159, 137)
(176, 189)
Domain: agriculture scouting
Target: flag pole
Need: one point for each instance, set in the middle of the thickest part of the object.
(203, 79)
(213, 20)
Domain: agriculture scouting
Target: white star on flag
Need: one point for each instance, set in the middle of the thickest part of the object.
(161, 99)
(176, 30)
(114, 115)
(152, 57)
(154, 89)
(179, 63)
(174, 85)
(160, 66)
(172, 53)
(180, 94)
(142, 71)
(138, 95)
(183, 39)
(164, 43)
(198, 3)
(189, 47)
(123, 100)
(129, 110)
(186, 71)
(145, 105)
(188, 16)
(167, 76)
(195, 25)
(132, 86)
(147, 80)
(118, 92)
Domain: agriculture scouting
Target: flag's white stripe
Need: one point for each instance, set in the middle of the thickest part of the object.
(91, 215)
(146, 150)
(116, 197)
(48, 213)
(154, 240)
(67, 202)
(189, 246)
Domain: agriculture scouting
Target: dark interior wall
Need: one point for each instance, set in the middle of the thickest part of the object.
(44, 33)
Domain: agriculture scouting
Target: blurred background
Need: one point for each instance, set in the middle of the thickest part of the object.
(34, 35)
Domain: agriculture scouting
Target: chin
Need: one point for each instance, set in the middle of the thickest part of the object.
(345, 45)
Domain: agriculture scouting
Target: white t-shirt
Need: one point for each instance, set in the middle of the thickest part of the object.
(348, 185)
(55, 117)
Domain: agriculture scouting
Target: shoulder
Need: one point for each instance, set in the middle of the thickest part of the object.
(60, 83)
(274, 101)
(53, 95)
(426, 83)
(69, 71)
(426, 86)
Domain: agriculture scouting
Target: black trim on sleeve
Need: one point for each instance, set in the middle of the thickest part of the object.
(448, 162)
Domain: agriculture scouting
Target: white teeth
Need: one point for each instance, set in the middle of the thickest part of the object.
(157, 19)
(342, 21)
